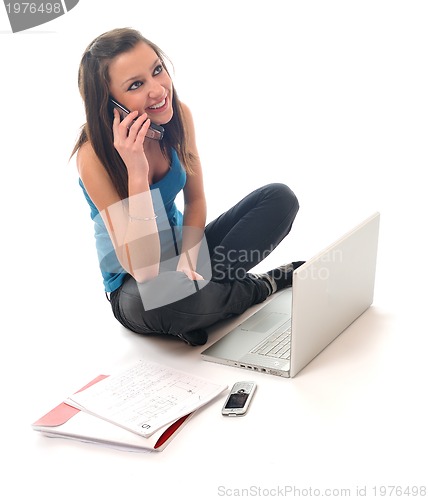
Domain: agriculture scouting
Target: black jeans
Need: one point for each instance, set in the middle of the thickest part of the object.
(237, 241)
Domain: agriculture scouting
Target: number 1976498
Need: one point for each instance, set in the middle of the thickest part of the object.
(399, 491)
(34, 8)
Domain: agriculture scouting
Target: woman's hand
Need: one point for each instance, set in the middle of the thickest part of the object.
(190, 273)
(128, 139)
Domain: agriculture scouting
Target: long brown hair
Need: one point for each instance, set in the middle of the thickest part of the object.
(93, 80)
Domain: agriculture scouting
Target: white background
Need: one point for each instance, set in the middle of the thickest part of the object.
(329, 97)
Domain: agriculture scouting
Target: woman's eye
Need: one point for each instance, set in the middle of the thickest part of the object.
(158, 69)
(135, 85)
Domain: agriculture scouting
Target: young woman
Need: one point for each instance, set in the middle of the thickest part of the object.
(166, 272)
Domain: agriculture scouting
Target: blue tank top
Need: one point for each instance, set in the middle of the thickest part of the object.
(169, 221)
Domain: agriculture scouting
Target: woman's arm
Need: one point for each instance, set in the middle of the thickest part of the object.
(195, 210)
(130, 223)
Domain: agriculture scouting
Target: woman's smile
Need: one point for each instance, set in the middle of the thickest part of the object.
(159, 107)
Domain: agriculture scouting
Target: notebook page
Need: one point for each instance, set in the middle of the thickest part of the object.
(146, 397)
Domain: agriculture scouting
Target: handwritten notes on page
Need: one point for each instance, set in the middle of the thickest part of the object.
(146, 397)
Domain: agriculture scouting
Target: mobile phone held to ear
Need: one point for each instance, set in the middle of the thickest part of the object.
(239, 399)
(154, 131)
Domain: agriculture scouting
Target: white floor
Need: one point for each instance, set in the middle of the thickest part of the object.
(341, 93)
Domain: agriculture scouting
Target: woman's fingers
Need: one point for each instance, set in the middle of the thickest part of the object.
(127, 123)
(137, 129)
(143, 130)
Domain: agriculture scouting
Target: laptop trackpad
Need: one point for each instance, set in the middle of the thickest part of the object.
(262, 322)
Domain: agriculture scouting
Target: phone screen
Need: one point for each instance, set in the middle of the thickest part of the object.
(237, 400)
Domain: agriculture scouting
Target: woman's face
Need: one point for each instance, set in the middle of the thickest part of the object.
(139, 81)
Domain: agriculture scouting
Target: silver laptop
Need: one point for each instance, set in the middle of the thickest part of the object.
(329, 292)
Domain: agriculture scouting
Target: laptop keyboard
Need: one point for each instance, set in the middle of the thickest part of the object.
(277, 345)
